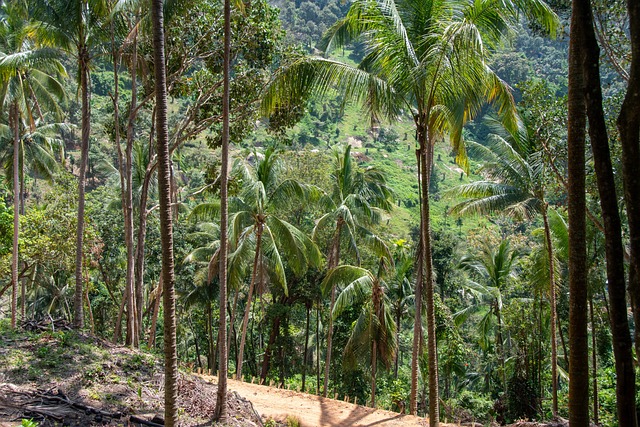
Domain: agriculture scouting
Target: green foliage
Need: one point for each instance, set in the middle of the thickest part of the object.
(28, 423)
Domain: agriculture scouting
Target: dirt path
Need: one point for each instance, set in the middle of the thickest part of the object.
(316, 411)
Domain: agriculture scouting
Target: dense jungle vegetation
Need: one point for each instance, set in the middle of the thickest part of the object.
(395, 207)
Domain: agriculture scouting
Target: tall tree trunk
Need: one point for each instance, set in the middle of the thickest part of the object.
(306, 348)
(614, 253)
(143, 213)
(374, 366)
(247, 308)
(579, 351)
(125, 184)
(417, 324)
(15, 124)
(83, 58)
(428, 282)
(318, 349)
(629, 127)
(397, 356)
(221, 400)
(552, 303)
(334, 260)
(136, 287)
(166, 225)
(594, 364)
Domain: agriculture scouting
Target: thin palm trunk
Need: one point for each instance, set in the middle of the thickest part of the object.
(500, 347)
(318, 349)
(166, 225)
(125, 186)
(83, 58)
(552, 303)
(306, 348)
(428, 282)
(221, 400)
(15, 119)
(334, 260)
(594, 364)
(247, 309)
(417, 324)
(131, 252)
(579, 352)
(374, 366)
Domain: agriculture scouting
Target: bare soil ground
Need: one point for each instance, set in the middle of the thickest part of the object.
(317, 411)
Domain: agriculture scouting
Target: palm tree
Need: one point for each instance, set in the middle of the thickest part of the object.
(75, 27)
(516, 185)
(221, 396)
(357, 198)
(254, 220)
(29, 83)
(374, 331)
(166, 224)
(576, 124)
(427, 58)
(495, 266)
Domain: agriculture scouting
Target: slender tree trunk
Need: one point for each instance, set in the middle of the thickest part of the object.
(125, 186)
(625, 373)
(318, 349)
(117, 330)
(397, 356)
(434, 412)
(221, 400)
(131, 252)
(166, 225)
(334, 260)
(247, 309)
(210, 354)
(15, 119)
(629, 128)
(306, 348)
(374, 366)
(500, 347)
(154, 316)
(552, 303)
(594, 364)
(579, 351)
(417, 325)
(83, 58)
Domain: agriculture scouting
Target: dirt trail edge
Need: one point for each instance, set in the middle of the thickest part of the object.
(317, 411)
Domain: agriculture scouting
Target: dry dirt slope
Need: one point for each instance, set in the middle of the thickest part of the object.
(316, 411)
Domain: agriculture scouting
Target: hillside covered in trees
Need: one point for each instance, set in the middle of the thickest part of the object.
(427, 207)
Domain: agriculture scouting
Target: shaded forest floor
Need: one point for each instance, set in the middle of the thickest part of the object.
(56, 376)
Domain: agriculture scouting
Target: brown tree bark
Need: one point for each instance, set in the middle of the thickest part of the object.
(625, 373)
(83, 62)
(15, 124)
(629, 128)
(334, 260)
(166, 225)
(579, 356)
(552, 304)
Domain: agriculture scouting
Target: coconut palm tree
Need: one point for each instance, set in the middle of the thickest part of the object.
(374, 332)
(358, 198)
(494, 266)
(29, 86)
(426, 58)
(254, 219)
(166, 223)
(75, 26)
(516, 185)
